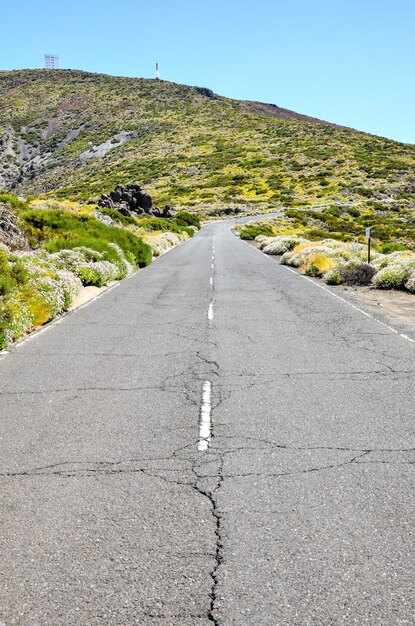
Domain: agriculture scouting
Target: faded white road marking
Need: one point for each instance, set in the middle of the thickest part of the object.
(353, 306)
(205, 426)
(212, 266)
(211, 281)
(210, 312)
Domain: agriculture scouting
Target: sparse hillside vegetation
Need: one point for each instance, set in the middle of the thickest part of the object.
(70, 134)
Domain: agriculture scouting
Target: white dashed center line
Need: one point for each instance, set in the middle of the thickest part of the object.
(211, 281)
(205, 417)
(210, 312)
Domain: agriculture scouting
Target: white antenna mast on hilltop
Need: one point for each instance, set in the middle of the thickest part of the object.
(157, 72)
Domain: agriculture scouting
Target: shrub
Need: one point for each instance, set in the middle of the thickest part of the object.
(300, 253)
(249, 231)
(13, 201)
(38, 303)
(410, 283)
(356, 273)
(64, 230)
(96, 273)
(394, 257)
(187, 219)
(163, 242)
(387, 248)
(71, 286)
(282, 244)
(49, 291)
(5, 321)
(6, 284)
(88, 265)
(393, 276)
(163, 224)
(333, 210)
(317, 264)
(333, 277)
(19, 273)
(263, 240)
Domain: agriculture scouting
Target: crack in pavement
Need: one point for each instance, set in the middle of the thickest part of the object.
(193, 462)
(170, 382)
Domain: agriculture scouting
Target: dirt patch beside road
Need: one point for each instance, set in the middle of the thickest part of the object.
(396, 308)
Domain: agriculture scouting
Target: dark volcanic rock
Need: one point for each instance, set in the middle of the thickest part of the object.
(204, 91)
(133, 200)
(230, 211)
(124, 209)
(145, 201)
(127, 196)
(106, 202)
(134, 187)
(168, 211)
(115, 196)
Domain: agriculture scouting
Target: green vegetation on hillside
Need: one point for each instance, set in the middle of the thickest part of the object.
(189, 147)
(391, 229)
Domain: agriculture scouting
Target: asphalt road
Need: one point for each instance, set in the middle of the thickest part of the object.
(214, 441)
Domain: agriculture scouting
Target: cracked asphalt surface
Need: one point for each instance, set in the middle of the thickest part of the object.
(300, 512)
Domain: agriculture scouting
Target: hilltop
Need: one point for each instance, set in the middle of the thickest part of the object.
(75, 135)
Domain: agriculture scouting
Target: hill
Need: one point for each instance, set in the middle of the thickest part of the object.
(72, 134)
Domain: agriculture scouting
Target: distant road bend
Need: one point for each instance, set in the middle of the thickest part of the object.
(215, 441)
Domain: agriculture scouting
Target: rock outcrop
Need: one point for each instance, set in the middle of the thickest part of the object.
(10, 233)
(132, 200)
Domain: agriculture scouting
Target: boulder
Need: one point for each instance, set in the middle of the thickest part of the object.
(127, 196)
(115, 196)
(168, 212)
(10, 233)
(124, 209)
(134, 187)
(145, 201)
(106, 202)
(132, 199)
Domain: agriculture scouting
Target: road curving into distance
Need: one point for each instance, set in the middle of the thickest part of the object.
(214, 441)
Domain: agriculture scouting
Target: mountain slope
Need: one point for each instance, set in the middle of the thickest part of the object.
(72, 134)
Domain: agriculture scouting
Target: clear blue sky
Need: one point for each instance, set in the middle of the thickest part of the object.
(347, 61)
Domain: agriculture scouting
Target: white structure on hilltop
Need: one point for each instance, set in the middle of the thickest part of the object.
(51, 62)
(157, 72)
